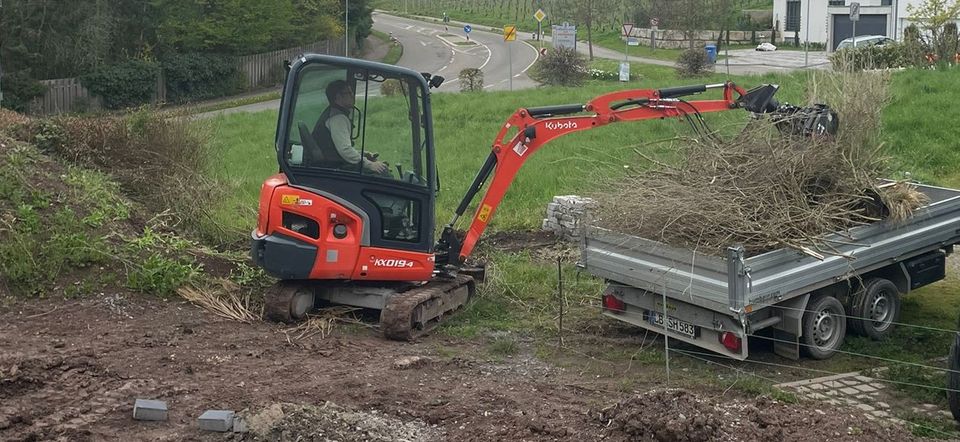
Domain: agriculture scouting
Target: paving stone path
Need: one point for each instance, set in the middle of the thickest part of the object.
(854, 390)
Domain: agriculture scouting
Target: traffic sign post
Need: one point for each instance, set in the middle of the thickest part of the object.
(510, 34)
(466, 31)
(654, 22)
(854, 17)
(539, 16)
(627, 28)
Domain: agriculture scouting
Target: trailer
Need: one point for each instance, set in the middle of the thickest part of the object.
(798, 301)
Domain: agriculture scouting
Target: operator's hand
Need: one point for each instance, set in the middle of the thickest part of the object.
(377, 167)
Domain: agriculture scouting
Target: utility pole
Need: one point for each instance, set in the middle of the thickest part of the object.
(806, 44)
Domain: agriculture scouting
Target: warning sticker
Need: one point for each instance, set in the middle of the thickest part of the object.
(289, 199)
(484, 214)
(520, 149)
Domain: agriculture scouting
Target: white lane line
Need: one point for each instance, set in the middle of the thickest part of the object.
(422, 43)
(489, 54)
(537, 56)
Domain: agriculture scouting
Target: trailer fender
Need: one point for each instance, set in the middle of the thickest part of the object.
(787, 332)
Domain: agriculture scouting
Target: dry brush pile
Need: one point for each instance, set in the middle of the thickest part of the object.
(765, 190)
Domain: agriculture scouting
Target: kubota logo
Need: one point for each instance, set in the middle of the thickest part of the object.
(554, 125)
(392, 263)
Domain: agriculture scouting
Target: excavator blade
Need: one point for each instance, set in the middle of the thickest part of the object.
(413, 313)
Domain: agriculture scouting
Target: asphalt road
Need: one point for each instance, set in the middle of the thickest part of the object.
(428, 47)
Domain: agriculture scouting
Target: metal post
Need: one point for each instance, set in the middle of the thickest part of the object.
(854, 35)
(346, 29)
(666, 336)
(806, 44)
(510, 56)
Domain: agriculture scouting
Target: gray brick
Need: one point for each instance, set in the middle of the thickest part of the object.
(849, 382)
(216, 420)
(149, 410)
(865, 388)
(877, 385)
(865, 407)
(816, 386)
(863, 379)
(880, 413)
(848, 390)
(883, 405)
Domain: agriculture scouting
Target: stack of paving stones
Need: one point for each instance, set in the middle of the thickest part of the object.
(566, 216)
(853, 390)
(211, 420)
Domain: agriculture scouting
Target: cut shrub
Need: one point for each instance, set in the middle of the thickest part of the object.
(562, 67)
(200, 76)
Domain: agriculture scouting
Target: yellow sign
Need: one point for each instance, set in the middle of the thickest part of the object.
(289, 199)
(484, 213)
(509, 33)
(539, 15)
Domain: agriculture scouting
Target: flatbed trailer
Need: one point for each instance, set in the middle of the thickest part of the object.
(798, 301)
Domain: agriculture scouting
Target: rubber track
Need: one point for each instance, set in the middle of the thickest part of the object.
(396, 317)
(277, 300)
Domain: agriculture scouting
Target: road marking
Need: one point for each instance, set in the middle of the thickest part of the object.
(534, 58)
(422, 43)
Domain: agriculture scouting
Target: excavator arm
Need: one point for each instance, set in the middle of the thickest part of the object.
(535, 127)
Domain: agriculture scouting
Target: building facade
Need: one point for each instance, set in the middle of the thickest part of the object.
(829, 20)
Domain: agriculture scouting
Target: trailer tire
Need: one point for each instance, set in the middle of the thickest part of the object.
(875, 309)
(824, 327)
(953, 378)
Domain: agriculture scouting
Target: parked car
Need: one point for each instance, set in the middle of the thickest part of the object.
(766, 47)
(865, 40)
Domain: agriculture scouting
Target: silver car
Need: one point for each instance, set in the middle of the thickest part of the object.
(865, 40)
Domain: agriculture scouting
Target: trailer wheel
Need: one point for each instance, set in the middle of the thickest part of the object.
(875, 309)
(824, 327)
(953, 378)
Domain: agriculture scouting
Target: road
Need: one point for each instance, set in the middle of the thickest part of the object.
(428, 47)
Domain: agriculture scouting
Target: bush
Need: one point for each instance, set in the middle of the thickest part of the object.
(562, 67)
(19, 90)
(471, 80)
(692, 63)
(390, 88)
(888, 56)
(131, 83)
(199, 76)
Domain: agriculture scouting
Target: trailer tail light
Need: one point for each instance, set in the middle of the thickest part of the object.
(731, 341)
(613, 304)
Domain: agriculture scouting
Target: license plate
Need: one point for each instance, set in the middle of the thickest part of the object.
(673, 324)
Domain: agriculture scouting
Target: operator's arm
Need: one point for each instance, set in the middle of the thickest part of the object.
(339, 126)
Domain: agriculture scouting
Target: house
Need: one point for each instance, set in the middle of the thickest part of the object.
(830, 23)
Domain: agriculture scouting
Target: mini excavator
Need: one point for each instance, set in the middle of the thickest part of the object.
(337, 223)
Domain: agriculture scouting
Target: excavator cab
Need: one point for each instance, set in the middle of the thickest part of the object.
(360, 134)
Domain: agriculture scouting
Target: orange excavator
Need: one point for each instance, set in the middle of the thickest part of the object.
(350, 216)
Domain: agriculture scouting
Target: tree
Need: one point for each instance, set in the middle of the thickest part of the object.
(933, 16)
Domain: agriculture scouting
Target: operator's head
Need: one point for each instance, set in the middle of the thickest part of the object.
(340, 93)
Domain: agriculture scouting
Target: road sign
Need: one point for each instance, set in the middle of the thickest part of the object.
(627, 28)
(854, 11)
(565, 36)
(467, 28)
(632, 41)
(539, 15)
(654, 22)
(509, 33)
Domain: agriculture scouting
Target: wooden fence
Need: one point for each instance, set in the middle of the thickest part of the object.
(67, 95)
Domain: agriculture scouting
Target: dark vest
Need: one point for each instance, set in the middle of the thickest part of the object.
(328, 150)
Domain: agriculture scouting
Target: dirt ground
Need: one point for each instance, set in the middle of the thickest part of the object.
(71, 370)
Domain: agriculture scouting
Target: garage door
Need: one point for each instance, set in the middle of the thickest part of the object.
(873, 24)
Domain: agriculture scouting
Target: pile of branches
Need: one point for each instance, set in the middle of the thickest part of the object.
(763, 189)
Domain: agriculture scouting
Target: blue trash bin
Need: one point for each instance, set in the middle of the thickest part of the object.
(711, 52)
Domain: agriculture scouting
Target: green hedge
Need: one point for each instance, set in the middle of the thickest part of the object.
(19, 90)
(131, 83)
(891, 55)
(199, 76)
